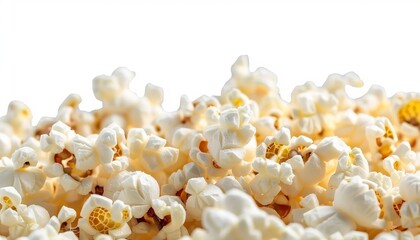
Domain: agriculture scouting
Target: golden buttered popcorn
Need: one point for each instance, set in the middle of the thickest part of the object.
(242, 165)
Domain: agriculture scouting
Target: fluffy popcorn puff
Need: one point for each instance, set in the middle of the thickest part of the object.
(70, 114)
(21, 172)
(148, 152)
(62, 161)
(265, 186)
(20, 219)
(374, 102)
(312, 110)
(382, 138)
(410, 193)
(350, 164)
(18, 118)
(201, 195)
(236, 216)
(359, 200)
(171, 215)
(336, 84)
(256, 85)
(351, 128)
(118, 100)
(242, 165)
(354, 204)
(178, 180)
(200, 155)
(109, 149)
(100, 215)
(232, 142)
(400, 162)
(136, 189)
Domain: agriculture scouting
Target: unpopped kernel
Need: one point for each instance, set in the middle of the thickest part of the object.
(243, 165)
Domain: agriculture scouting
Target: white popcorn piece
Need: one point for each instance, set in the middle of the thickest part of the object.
(21, 172)
(8, 144)
(351, 128)
(67, 158)
(395, 235)
(400, 162)
(235, 98)
(70, 114)
(48, 232)
(350, 164)
(108, 89)
(410, 214)
(177, 180)
(232, 142)
(147, 108)
(382, 138)
(230, 182)
(358, 200)
(200, 154)
(201, 196)
(374, 102)
(328, 220)
(136, 189)
(330, 148)
(307, 167)
(100, 215)
(256, 85)
(149, 152)
(307, 203)
(111, 148)
(410, 187)
(171, 214)
(236, 216)
(19, 118)
(336, 84)
(58, 138)
(265, 186)
(312, 109)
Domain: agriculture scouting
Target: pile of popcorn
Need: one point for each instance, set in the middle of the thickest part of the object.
(242, 165)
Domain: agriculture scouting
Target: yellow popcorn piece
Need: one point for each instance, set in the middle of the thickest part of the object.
(410, 112)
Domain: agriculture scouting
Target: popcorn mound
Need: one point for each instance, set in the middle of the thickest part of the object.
(242, 165)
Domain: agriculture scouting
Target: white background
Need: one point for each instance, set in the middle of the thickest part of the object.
(49, 49)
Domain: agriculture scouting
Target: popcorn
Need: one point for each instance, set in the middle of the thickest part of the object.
(148, 152)
(231, 142)
(100, 215)
(137, 189)
(242, 165)
(381, 137)
(374, 102)
(359, 200)
(171, 212)
(350, 164)
(236, 216)
(256, 85)
(312, 110)
(201, 196)
(70, 114)
(18, 118)
(265, 186)
(336, 84)
(178, 180)
(400, 162)
(21, 172)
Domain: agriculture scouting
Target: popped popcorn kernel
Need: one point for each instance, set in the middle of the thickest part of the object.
(243, 165)
(410, 113)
